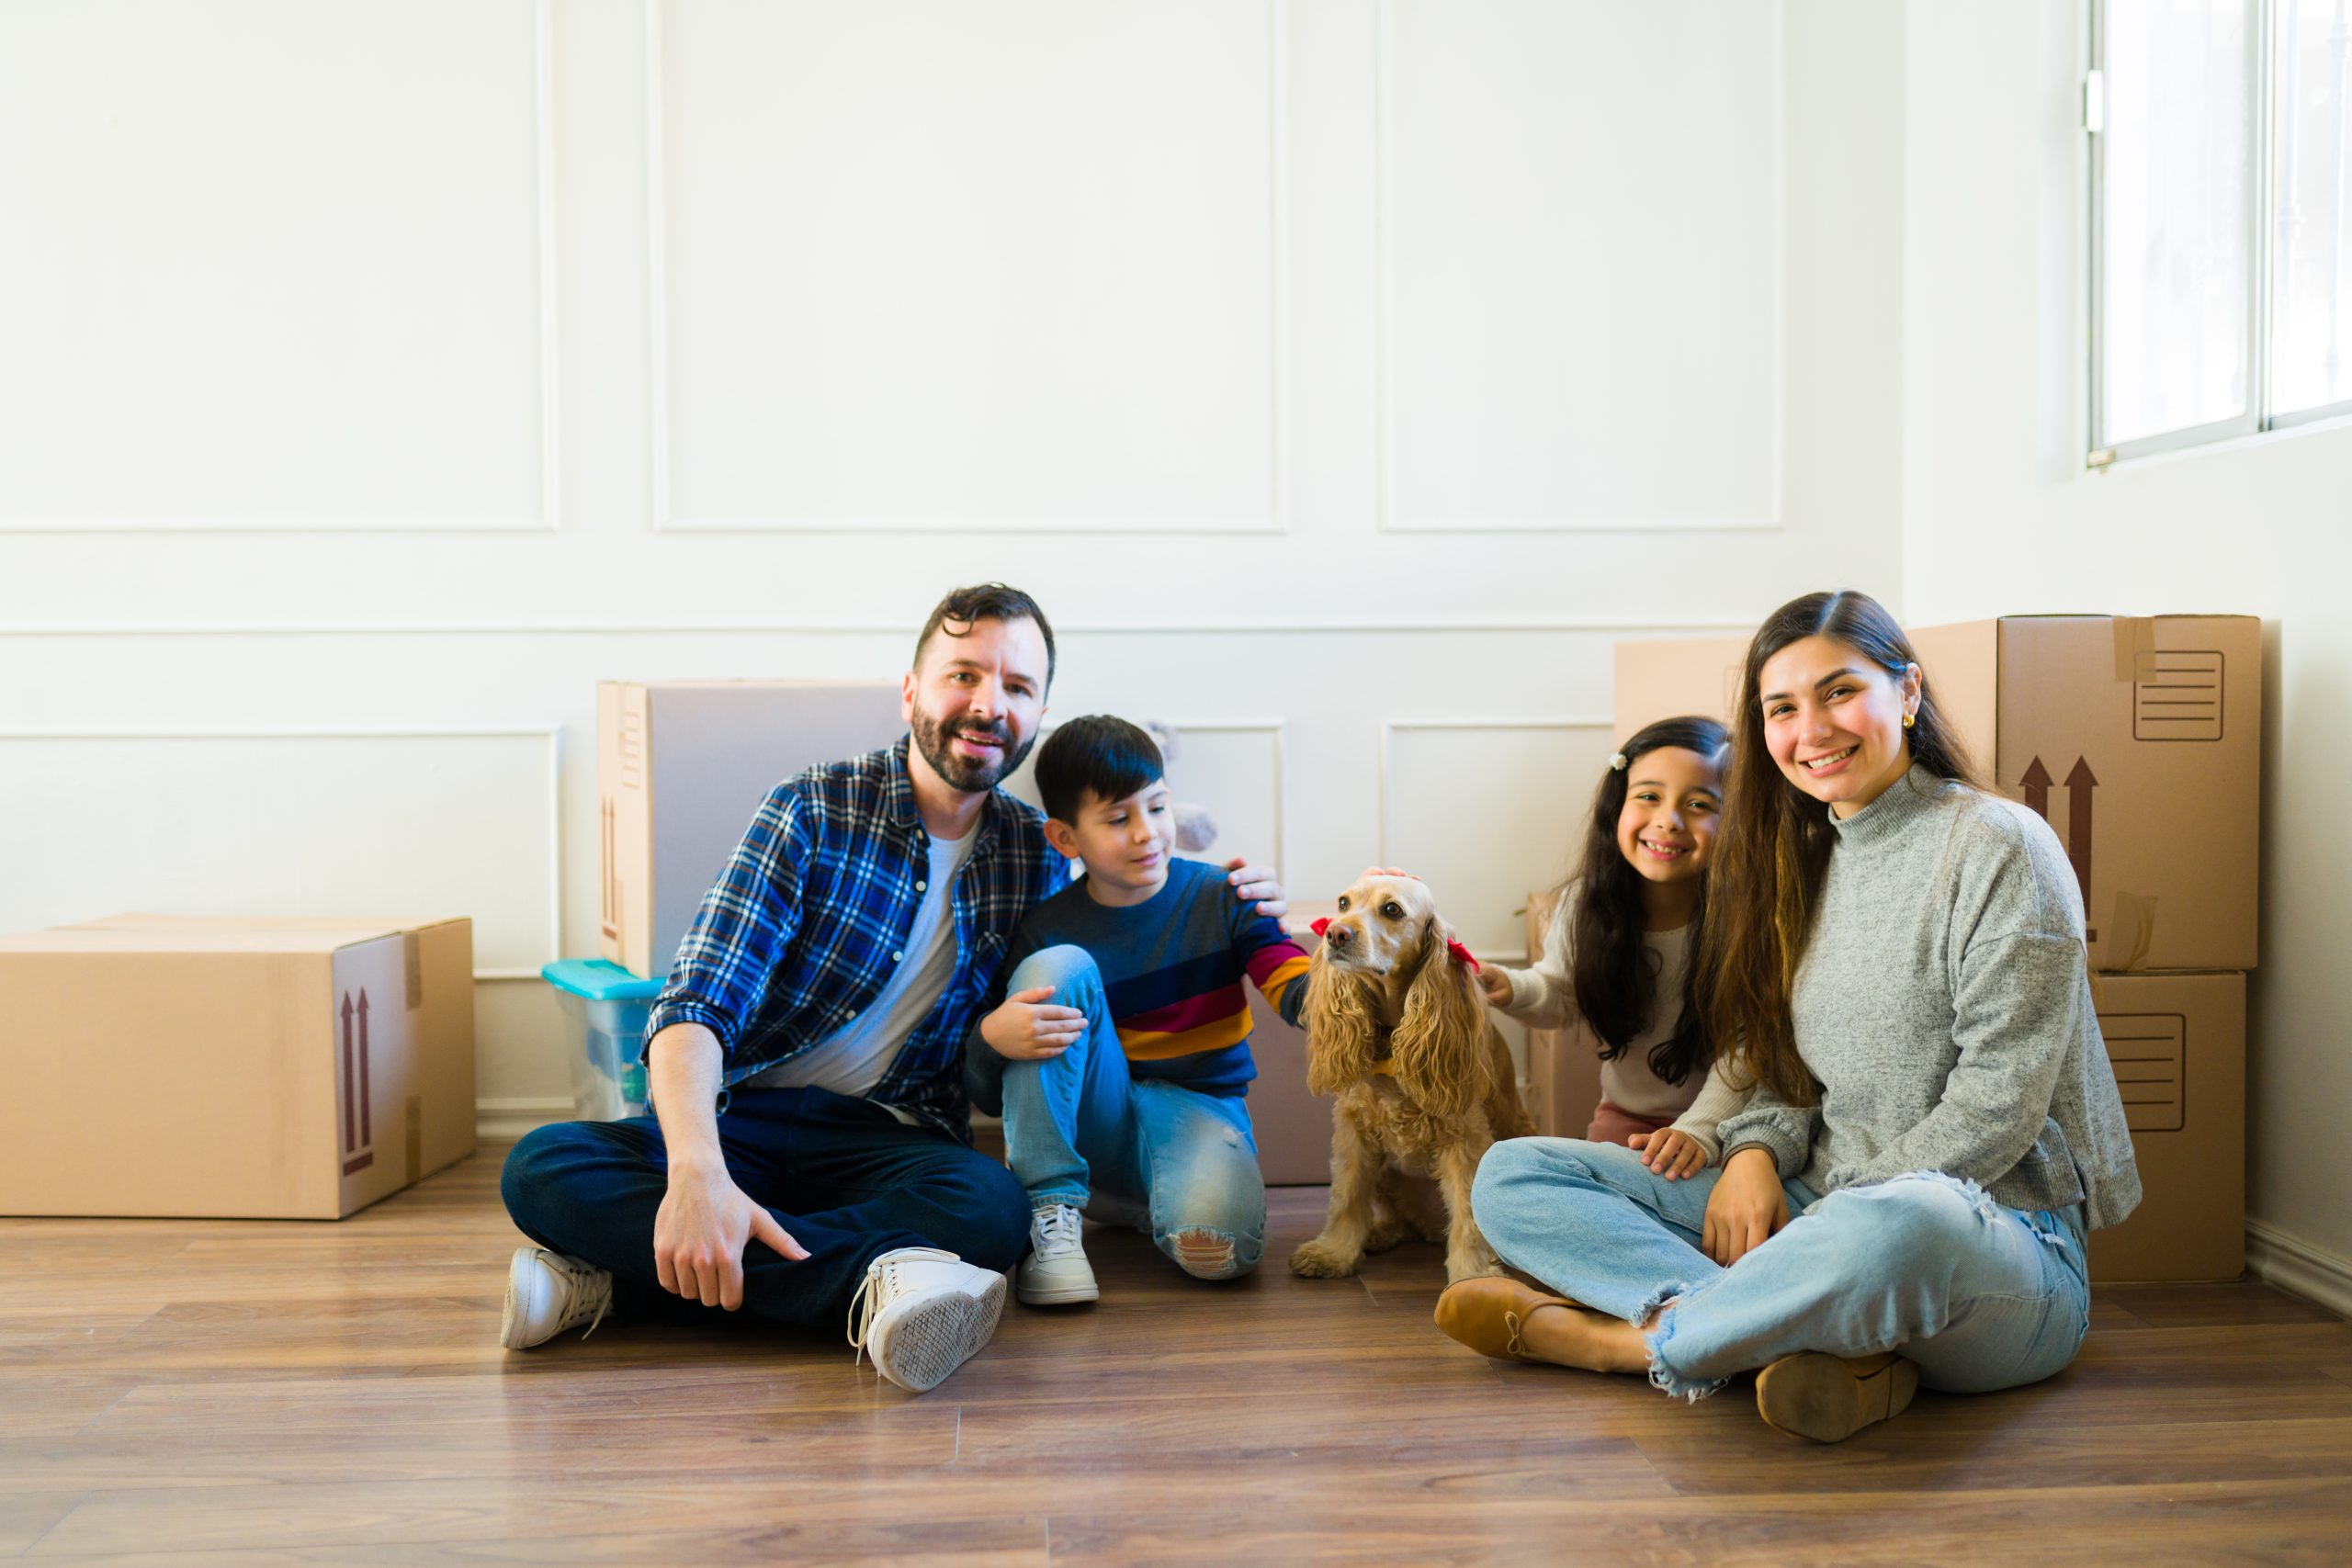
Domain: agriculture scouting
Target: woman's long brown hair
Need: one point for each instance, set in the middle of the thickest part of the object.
(1773, 847)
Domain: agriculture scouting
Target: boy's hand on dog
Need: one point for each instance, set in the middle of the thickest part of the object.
(699, 1233)
(1746, 1207)
(1257, 885)
(1670, 1152)
(1029, 1029)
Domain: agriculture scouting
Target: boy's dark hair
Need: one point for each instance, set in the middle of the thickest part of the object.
(1616, 983)
(985, 602)
(1097, 755)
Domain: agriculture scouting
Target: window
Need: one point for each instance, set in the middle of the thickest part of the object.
(2221, 269)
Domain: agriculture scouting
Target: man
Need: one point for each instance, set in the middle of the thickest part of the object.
(810, 1152)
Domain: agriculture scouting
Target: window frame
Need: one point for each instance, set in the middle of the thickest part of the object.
(2261, 232)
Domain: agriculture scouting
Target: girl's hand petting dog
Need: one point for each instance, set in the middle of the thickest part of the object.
(1029, 1029)
(1670, 1152)
(1495, 983)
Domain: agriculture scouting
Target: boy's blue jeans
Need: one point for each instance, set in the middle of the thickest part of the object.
(845, 1178)
(1982, 1297)
(1078, 1128)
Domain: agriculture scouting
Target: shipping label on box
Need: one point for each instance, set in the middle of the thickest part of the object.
(2138, 741)
(682, 767)
(2178, 1045)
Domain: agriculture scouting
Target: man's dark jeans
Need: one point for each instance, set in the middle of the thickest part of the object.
(844, 1178)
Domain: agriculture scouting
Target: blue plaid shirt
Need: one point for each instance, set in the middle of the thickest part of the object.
(798, 934)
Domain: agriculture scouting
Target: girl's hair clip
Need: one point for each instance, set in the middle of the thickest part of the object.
(1617, 762)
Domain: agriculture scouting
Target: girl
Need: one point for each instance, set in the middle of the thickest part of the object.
(1898, 955)
(1617, 954)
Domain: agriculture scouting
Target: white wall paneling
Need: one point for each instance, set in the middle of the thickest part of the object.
(1488, 809)
(399, 823)
(1579, 250)
(1242, 333)
(1233, 767)
(293, 265)
(923, 265)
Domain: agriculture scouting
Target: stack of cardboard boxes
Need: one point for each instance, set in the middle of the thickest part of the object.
(2139, 741)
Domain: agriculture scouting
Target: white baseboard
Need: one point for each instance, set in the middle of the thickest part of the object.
(503, 1120)
(2297, 1267)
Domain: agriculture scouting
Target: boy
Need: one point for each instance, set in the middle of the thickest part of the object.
(1120, 1055)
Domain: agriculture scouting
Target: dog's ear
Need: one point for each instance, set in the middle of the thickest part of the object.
(1439, 1046)
(1339, 1021)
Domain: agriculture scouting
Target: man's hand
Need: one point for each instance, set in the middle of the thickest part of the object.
(1670, 1152)
(1746, 1207)
(699, 1233)
(1029, 1029)
(1257, 882)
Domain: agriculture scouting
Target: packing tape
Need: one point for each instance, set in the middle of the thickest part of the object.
(413, 961)
(2131, 932)
(2134, 635)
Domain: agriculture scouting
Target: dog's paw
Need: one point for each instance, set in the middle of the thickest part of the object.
(1387, 1233)
(1319, 1259)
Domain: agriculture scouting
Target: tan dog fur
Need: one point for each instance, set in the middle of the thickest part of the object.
(1397, 1027)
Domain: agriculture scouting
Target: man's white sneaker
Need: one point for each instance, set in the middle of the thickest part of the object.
(923, 1312)
(1056, 1273)
(547, 1293)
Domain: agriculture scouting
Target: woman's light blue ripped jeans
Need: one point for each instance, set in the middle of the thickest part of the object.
(1982, 1297)
(1177, 1164)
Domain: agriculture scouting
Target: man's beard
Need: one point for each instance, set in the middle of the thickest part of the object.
(970, 774)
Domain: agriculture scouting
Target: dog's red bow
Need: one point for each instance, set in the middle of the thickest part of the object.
(1320, 926)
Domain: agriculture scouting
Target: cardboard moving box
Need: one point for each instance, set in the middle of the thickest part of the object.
(232, 1068)
(682, 767)
(2139, 739)
(1651, 681)
(2177, 1043)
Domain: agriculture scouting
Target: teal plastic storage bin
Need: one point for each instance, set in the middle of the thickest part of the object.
(609, 1006)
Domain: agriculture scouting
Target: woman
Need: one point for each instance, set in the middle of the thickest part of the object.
(1897, 957)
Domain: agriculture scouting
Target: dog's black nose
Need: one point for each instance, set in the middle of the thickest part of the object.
(1338, 936)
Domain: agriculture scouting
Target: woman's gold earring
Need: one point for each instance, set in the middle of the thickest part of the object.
(1908, 721)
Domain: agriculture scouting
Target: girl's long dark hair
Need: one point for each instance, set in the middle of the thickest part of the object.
(1615, 983)
(1774, 845)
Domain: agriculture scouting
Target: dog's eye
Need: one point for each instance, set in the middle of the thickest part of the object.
(1343, 903)
(1392, 910)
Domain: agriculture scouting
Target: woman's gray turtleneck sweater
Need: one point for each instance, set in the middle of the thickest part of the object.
(1944, 1005)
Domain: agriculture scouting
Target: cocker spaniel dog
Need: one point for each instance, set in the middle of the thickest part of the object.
(1397, 1027)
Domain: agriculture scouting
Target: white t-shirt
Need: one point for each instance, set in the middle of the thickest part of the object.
(858, 1055)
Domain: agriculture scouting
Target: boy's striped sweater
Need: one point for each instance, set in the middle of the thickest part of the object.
(1172, 968)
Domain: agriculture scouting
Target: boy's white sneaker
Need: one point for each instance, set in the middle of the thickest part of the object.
(1056, 1273)
(923, 1312)
(547, 1293)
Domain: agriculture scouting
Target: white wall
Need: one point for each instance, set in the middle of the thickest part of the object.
(2000, 515)
(376, 374)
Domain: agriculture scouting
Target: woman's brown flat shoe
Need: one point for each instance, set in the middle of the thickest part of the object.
(1829, 1398)
(1490, 1314)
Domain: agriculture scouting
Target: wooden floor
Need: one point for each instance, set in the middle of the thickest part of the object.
(300, 1392)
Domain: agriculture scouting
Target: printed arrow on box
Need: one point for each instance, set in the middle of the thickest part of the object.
(350, 1131)
(2080, 782)
(2036, 785)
